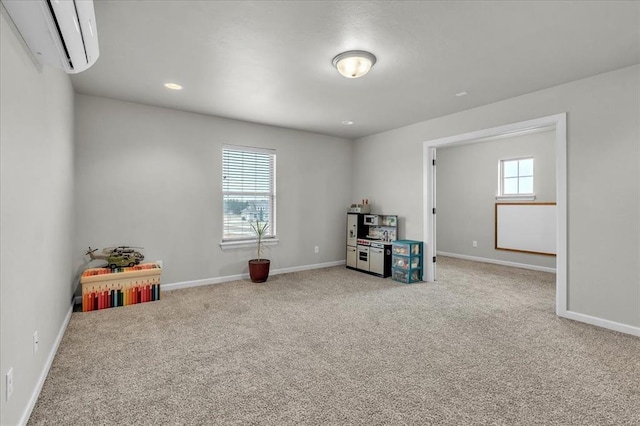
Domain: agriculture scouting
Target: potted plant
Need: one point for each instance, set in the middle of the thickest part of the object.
(259, 268)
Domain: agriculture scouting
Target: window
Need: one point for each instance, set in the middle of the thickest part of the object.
(516, 176)
(248, 191)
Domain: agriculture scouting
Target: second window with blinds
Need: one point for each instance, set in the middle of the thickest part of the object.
(248, 191)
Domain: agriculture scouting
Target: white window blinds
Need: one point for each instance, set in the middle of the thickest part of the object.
(249, 191)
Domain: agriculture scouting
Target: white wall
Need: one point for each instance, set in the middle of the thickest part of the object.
(36, 213)
(467, 184)
(603, 133)
(151, 177)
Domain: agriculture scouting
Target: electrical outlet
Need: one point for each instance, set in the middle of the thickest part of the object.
(35, 342)
(474, 244)
(159, 262)
(9, 383)
(316, 249)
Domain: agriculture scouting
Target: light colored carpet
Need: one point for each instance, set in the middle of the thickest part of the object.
(335, 346)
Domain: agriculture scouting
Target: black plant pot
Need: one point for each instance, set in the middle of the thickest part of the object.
(259, 270)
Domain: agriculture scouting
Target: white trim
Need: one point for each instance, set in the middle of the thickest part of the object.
(562, 289)
(238, 277)
(198, 283)
(498, 262)
(307, 267)
(249, 149)
(219, 280)
(429, 195)
(229, 245)
(45, 371)
(574, 316)
(611, 325)
(515, 197)
(559, 121)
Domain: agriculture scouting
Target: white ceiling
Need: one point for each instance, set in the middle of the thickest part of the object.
(270, 61)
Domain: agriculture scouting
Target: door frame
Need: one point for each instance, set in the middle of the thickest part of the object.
(557, 122)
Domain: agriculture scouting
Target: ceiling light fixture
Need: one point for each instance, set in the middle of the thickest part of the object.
(173, 86)
(354, 63)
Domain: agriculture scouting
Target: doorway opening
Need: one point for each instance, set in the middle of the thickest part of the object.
(558, 124)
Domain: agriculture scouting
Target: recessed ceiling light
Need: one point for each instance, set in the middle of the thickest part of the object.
(347, 122)
(173, 86)
(462, 94)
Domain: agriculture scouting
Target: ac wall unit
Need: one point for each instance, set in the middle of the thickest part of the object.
(60, 33)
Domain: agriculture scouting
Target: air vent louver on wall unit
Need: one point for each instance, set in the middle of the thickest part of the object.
(60, 33)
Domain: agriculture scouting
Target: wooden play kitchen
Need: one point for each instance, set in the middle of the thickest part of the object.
(372, 246)
(104, 288)
(369, 238)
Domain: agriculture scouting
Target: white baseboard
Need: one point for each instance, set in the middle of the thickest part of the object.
(45, 371)
(220, 280)
(497, 262)
(611, 325)
(576, 316)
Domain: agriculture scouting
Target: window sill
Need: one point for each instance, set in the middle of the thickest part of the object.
(529, 197)
(229, 245)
